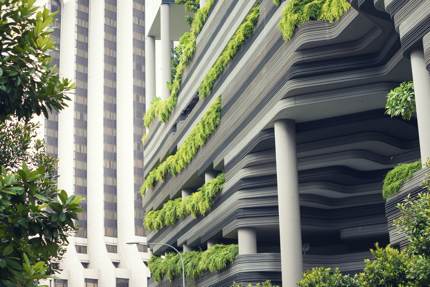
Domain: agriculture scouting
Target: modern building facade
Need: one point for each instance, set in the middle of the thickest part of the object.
(97, 138)
(303, 140)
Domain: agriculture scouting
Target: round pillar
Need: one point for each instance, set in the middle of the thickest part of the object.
(247, 241)
(422, 97)
(165, 49)
(288, 203)
(149, 70)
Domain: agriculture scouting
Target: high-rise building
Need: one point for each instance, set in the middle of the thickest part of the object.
(288, 115)
(97, 138)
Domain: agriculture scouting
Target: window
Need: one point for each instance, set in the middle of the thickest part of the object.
(91, 283)
(60, 283)
(81, 249)
(120, 282)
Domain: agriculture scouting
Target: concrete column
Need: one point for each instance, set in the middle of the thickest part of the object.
(150, 91)
(185, 193)
(165, 49)
(210, 243)
(99, 258)
(186, 248)
(202, 3)
(129, 254)
(209, 175)
(247, 241)
(66, 148)
(422, 97)
(288, 203)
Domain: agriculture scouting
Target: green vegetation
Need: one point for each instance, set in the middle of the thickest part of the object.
(262, 284)
(397, 177)
(297, 12)
(162, 109)
(36, 218)
(195, 140)
(191, 6)
(244, 31)
(198, 203)
(327, 277)
(390, 267)
(401, 101)
(276, 2)
(214, 259)
(29, 83)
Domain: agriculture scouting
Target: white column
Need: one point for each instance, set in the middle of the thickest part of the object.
(150, 91)
(165, 49)
(422, 97)
(185, 248)
(210, 243)
(129, 254)
(70, 263)
(99, 258)
(209, 175)
(202, 3)
(247, 241)
(288, 203)
(185, 193)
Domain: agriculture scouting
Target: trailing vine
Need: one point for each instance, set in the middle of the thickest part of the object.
(197, 204)
(401, 101)
(244, 31)
(195, 140)
(396, 177)
(214, 259)
(162, 109)
(297, 12)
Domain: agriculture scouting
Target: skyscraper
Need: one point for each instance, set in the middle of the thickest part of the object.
(97, 138)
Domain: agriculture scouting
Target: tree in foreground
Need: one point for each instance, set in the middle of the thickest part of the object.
(35, 217)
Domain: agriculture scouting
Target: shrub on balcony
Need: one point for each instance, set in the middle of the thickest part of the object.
(297, 12)
(162, 109)
(214, 259)
(196, 139)
(244, 31)
(197, 204)
(395, 178)
(401, 101)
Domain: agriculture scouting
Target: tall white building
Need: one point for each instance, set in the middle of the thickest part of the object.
(97, 138)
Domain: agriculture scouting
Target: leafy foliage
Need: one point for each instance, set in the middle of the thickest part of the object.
(415, 223)
(244, 31)
(196, 139)
(191, 6)
(387, 268)
(395, 178)
(162, 109)
(327, 277)
(262, 284)
(198, 203)
(297, 12)
(29, 83)
(276, 2)
(214, 259)
(390, 267)
(35, 217)
(401, 101)
(35, 221)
